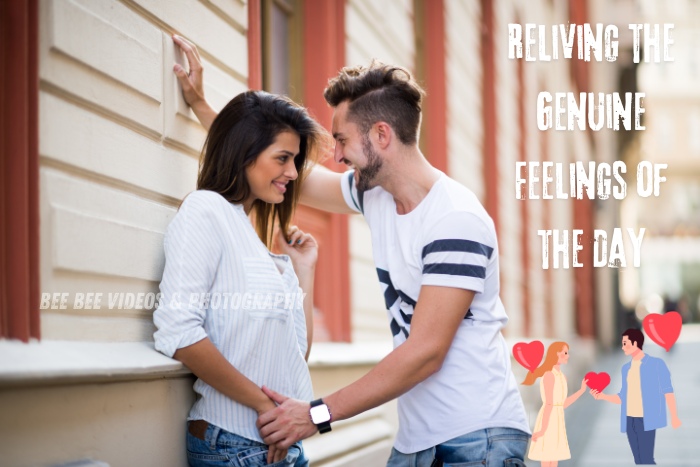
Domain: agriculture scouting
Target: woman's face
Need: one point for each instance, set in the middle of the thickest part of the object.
(563, 355)
(273, 169)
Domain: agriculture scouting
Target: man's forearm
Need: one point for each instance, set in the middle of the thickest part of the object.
(671, 403)
(321, 190)
(614, 398)
(395, 375)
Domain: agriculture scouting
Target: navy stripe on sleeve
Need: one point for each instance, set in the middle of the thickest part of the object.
(451, 269)
(468, 246)
(351, 175)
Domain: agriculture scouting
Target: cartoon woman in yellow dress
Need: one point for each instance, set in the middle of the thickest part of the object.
(549, 442)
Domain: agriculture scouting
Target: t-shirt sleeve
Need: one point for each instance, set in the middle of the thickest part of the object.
(353, 198)
(457, 251)
(664, 378)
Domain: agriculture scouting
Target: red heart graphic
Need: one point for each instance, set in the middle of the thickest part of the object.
(663, 329)
(597, 381)
(529, 355)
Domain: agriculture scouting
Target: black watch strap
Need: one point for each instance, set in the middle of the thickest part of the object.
(324, 427)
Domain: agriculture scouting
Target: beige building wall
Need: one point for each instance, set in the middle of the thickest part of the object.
(464, 99)
(509, 219)
(119, 148)
(118, 151)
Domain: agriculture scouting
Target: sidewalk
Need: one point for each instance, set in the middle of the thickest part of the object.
(593, 427)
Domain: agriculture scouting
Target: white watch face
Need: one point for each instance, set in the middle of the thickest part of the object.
(320, 414)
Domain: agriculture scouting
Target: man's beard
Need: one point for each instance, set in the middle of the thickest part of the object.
(366, 177)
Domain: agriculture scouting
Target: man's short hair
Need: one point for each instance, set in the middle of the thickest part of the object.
(379, 93)
(635, 335)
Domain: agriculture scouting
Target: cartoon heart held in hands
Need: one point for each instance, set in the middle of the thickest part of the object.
(529, 355)
(597, 381)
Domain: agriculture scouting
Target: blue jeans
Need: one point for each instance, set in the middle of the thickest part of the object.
(223, 449)
(641, 442)
(491, 447)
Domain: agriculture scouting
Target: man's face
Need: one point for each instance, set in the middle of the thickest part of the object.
(355, 149)
(628, 347)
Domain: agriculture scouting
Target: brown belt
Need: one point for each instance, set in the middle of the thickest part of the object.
(198, 428)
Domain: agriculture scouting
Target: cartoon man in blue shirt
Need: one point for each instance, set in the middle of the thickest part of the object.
(646, 382)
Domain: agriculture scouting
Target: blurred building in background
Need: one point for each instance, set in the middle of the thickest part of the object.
(98, 155)
(669, 278)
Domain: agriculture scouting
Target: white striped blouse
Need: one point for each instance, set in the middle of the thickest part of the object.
(221, 282)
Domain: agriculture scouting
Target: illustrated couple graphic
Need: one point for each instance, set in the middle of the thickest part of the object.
(645, 393)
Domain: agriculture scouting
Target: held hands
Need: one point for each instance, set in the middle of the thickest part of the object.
(536, 435)
(286, 424)
(301, 248)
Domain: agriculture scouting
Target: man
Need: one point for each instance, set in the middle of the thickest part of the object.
(646, 382)
(436, 255)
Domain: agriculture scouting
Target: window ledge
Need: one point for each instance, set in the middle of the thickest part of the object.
(335, 354)
(66, 362)
(70, 361)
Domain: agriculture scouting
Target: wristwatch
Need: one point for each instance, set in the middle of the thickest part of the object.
(320, 416)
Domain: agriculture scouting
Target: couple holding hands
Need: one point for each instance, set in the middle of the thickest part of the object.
(436, 257)
(645, 393)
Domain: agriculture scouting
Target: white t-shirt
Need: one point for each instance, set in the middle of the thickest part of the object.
(447, 240)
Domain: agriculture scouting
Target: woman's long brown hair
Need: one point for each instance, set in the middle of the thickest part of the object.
(550, 360)
(248, 124)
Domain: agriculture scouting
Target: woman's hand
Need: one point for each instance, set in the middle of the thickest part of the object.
(192, 82)
(536, 435)
(583, 384)
(301, 248)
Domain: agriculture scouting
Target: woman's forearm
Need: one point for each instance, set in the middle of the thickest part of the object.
(208, 364)
(574, 397)
(614, 398)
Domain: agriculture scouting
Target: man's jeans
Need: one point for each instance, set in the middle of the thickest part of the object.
(223, 449)
(491, 447)
(641, 442)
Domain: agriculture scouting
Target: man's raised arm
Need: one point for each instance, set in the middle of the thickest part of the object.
(321, 190)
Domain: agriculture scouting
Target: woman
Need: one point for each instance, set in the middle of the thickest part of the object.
(230, 310)
(549, 442)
